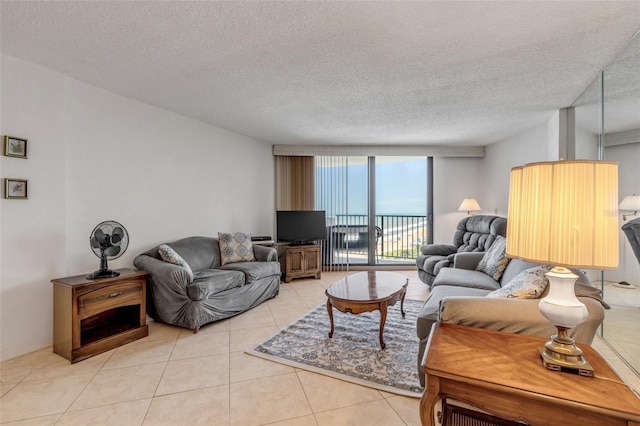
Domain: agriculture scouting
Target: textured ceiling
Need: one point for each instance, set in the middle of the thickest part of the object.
(466, 73)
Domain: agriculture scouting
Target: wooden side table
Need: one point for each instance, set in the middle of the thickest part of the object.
(502, 374)
(93, 316)
(302, 261)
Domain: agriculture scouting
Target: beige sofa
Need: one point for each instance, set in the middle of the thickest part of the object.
(458, 296)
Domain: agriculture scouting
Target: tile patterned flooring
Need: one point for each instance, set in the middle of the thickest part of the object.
(173, 377)
(621, 327)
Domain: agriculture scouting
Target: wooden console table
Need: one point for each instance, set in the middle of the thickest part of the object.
(502, 374)
(93, 316)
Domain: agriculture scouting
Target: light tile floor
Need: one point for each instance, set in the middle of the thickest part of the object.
(173, 377)
(621, 327)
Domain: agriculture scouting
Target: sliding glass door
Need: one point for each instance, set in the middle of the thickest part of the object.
(342, 191)
(400, 207)
(376, 208)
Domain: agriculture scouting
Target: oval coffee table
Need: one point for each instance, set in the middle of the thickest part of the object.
(367, 292)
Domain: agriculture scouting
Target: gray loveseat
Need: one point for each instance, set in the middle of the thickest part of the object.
(457, 296)
(214, 292)
(473, 234)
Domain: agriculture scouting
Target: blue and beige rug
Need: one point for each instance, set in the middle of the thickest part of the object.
(353, 354)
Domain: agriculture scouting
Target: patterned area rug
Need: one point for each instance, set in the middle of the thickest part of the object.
(353, 354)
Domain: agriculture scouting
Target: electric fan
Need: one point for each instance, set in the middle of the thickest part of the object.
(109, 240)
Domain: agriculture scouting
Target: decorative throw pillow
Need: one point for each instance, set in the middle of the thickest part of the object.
(169, 255)
(495, 260)
(235, 247)
(528, 284)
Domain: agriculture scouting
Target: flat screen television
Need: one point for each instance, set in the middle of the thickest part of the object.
(300, 226)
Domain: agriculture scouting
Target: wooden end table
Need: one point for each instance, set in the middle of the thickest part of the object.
(94, 316)
(367, 292)
(502, 374)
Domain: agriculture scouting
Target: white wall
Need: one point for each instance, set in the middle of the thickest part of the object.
(454, 179)
(33, 230)
(526, 147)
(163, 176)
(586, 145)
(485, 179)
(94, 156)
(553, 138)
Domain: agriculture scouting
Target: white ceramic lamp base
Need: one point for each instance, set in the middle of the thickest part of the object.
(563, 309)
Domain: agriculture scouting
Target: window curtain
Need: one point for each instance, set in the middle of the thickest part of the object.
(295, 183)
(332, 186)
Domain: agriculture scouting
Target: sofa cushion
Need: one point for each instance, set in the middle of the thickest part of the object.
(199, 252)
(438, 249)
(465, 278)
(528, 284)
(169, 255)
(212, 281)
(429, 312)
(433, 264)
(477, 233)
(235, 247)
(254, 271)
(495, 260)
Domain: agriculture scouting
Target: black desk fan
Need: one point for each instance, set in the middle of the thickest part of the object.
(108, 240)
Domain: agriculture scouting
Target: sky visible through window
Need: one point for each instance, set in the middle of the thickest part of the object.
(401, 186)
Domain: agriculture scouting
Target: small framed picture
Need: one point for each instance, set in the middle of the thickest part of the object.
(15, 147)
(16, 188)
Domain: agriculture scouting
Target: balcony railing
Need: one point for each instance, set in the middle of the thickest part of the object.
(398, 238)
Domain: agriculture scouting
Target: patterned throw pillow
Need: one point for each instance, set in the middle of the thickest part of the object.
(235, 247)
(528, 284)
(495, 259)
(169, 255)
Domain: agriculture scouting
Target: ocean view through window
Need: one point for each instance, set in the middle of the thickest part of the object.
(376, 208)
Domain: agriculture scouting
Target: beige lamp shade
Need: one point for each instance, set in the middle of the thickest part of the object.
(469, 205)
(564, 213)
(630, 203)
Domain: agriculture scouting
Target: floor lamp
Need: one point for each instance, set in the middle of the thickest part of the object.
(564, 213)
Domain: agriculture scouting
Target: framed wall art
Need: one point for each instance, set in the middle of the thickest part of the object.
(15, 147)
(17, 189)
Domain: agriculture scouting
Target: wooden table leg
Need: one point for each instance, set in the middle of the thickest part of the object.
(404, 292)
(428, 401)
(383, 319)
(330, 312)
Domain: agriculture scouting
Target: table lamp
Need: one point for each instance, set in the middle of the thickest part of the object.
(629, 206)
(564, 214)
(470, 205)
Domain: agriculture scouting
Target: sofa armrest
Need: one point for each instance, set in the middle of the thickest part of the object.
(172, 276)
(265, 254)
(167, 294)
(438, 249)
(467, 260)
(519, 316)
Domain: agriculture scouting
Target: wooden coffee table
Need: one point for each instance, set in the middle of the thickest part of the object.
(367, 292)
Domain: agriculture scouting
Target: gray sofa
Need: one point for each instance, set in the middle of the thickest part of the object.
(214, 292)
(457, 296)
(473, 234)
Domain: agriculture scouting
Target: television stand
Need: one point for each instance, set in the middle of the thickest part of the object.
(301, 243)
(300, 261)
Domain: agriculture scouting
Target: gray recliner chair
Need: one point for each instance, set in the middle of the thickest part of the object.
(473, 234)
(631, 230)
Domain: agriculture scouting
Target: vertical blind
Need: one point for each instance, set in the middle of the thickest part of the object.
(331, 196)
